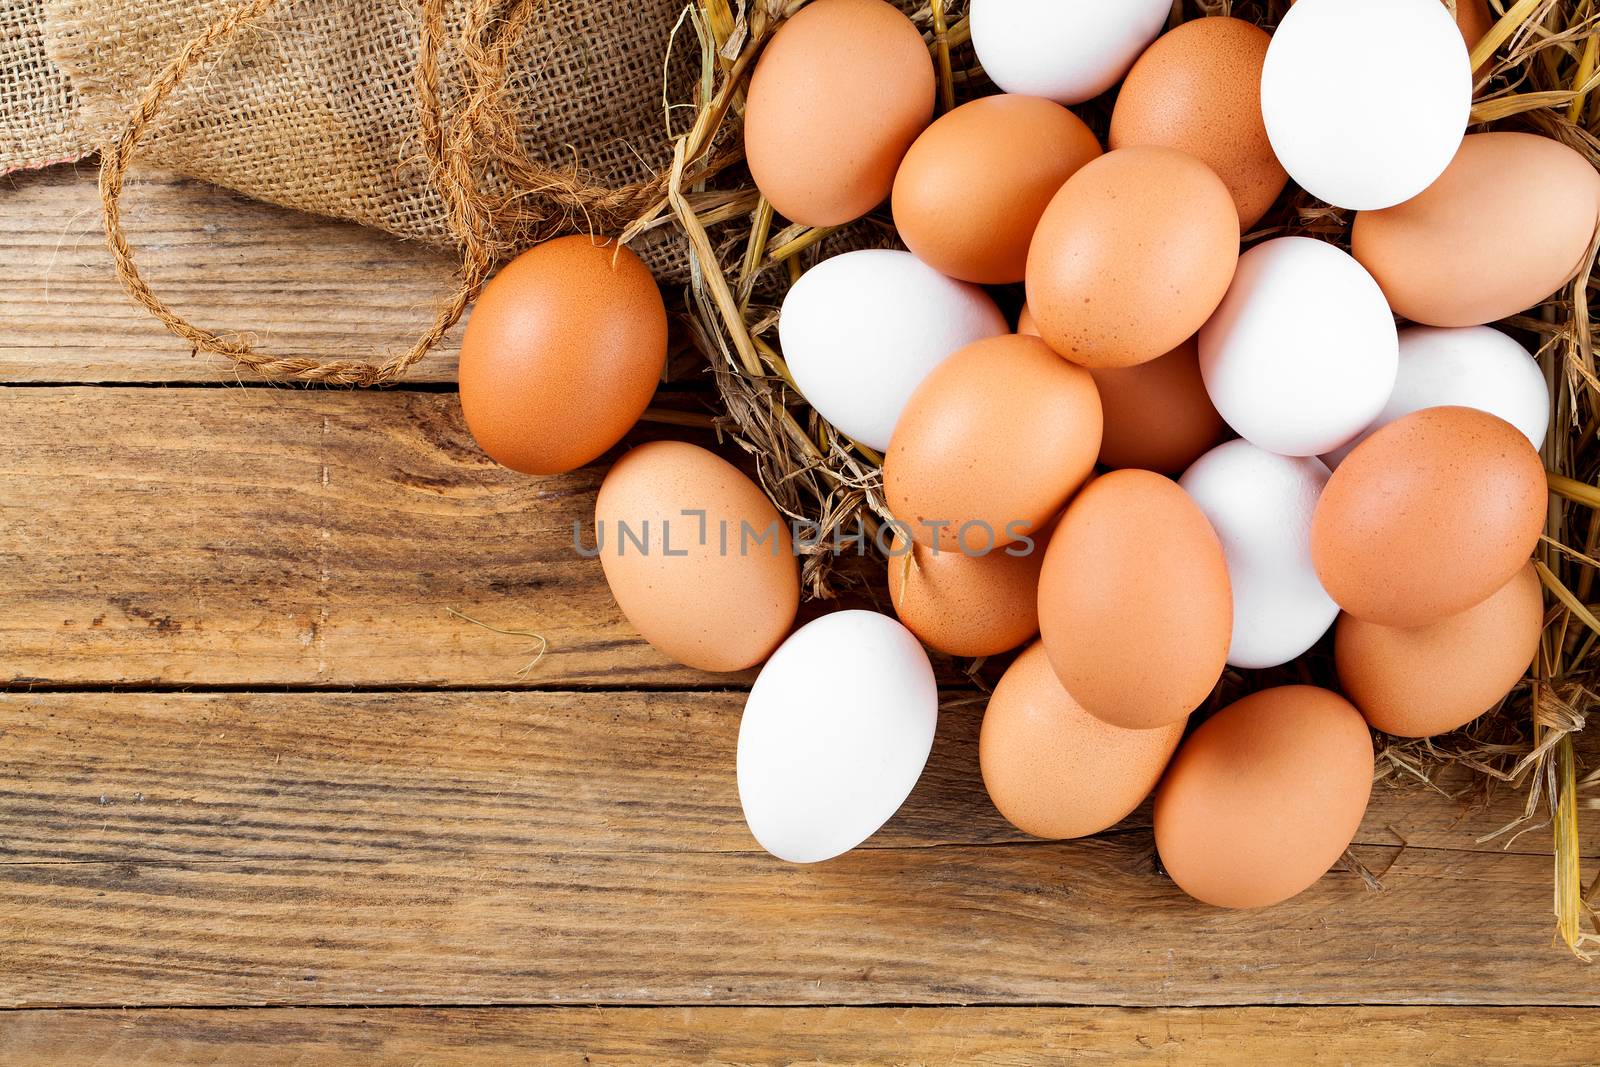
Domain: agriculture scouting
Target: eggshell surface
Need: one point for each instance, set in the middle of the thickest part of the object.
(991, 444)
(1431, 679)
(1471, 367)
(1505, 226)
(715, 591)
(968, 605)
(1260, 505)
(1133, 254)
(835, 733)
(1329, 90)
(860, 331)
(1134, 604)
(1067, 51)
(1156, 415)
(1302, 354)
(969, 193)
(814, 150)
(1052, 769)
(1428, 516)
(1264, 797)
(562, 354)
(1198, 89)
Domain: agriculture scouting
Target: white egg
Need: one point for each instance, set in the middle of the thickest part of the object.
(1261, 504)
(835, 734)
(1366, 101)
(1301, 354)
(1470, 367)
(1066, 50)
(861, 330)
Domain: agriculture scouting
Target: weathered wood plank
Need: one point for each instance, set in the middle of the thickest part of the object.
(559, 848)
(659, 1036)
(287, 537)
(298, 284)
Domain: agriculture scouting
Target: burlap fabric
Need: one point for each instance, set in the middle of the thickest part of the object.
(38, 106)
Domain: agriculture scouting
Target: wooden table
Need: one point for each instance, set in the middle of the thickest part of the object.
(264, 796)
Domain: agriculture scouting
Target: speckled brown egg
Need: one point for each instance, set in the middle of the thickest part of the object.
(839, 94)
(698, 559)
(1428, 516)
(1198, 89)
(1506, 225)
(991, 444)
(1430, 679)
(1135, 609)
(1264, 797)
(969, 605)
(1052, 769)
(970, 191)
(1132, 256)
(562, 354)
(1157, 415)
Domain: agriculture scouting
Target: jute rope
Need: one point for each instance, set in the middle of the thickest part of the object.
(480, 139)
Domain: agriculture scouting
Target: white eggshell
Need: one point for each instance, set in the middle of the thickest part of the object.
(861, 330)
(1470, 367)
(1067, 50)
(1260, 504)
(1366, 101)
(835, 734)
(1301, 355)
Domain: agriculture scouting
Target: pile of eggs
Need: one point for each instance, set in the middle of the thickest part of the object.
(1182, 458)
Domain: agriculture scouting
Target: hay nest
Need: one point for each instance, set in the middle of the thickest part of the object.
(1540, 76)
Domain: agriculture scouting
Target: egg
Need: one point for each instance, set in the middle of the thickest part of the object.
(834, 736)
(1470, 367)
(1260, 505)
(1052, 769)
(1198, 89)
(1068, 52)
(1264, 797)
(969, 193)
(1428, 516)
(1506, 226)
(1134, 606)
(1156, 415)
(816, 153)
(1474, 20)
(562, 354)
(698, 559)
(1302, 354)
(991, 445)
(968, 605)
(1431, 679)
(1365, 101)
(1133, 254)
(860, 331)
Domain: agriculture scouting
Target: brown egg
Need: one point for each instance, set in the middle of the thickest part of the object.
(840, 93)
(966, 605)
(1473, 17)
(1431, 679)
(1198, 89)
(1507, 225)
(1052, 769)
(1134, 604)
(1132, 256)
(970, 191)
(1264, 797)
(562, 355)
(697, 557)
(991, 444)
(1428, 516)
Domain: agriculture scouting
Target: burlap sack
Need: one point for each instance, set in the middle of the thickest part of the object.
(38, 106)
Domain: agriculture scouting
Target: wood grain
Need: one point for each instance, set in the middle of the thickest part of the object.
(298, 284)
(276, 537)
(417, 848)
(666, 1036)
